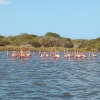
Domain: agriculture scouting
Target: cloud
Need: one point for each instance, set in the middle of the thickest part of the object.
(2, 2)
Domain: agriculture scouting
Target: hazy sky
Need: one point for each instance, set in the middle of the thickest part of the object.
(69, 18)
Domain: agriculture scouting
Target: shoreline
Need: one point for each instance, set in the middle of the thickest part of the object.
(47, 49)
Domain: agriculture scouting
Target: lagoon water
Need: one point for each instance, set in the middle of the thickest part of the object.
(49, 79)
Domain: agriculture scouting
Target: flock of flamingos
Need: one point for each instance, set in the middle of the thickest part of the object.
(53, 54)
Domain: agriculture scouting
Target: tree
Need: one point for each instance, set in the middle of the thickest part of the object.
(45, 41)
(3, 42)
(98, 46)
(98, 39)
(1, 37)
(51, 34)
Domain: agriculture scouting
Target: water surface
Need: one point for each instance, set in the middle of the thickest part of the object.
(49, 79)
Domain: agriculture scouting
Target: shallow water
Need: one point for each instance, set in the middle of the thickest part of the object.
(49, 79)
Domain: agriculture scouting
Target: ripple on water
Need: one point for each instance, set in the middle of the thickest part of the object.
(49, 79)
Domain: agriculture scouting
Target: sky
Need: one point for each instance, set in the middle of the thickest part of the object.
(75, 19)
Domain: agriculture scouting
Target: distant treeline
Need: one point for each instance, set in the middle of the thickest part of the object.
(49, 40)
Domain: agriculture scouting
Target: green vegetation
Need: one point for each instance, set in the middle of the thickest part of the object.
(50, 41)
